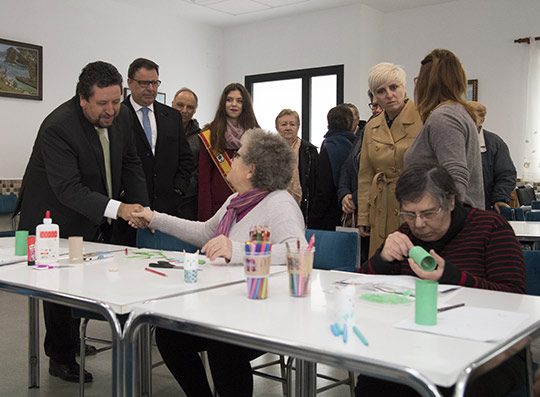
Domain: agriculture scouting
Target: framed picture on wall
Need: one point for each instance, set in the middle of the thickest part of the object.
(160, 95)
(472, 90)
(21, 70)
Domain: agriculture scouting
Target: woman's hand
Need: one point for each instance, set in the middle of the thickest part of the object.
(396, 247)
(347, 204)
(434, 275)
(217, 247)
(363, 230)
(141, 219)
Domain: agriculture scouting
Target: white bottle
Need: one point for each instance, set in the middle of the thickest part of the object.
(47, 241)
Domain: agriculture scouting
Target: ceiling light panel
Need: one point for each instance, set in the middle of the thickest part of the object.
(238, 7)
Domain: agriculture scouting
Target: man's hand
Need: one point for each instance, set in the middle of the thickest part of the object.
(363, 230)
(396, 247)
(498, 205)
(141, 219)
(126, 211)
(347, 204)
(219, 246)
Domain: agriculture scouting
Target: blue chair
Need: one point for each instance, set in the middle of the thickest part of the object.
(513, 214)
(7, 207)
(532, 216)
(535, 205)
(159, 240)
(532, 268)
(334, 250)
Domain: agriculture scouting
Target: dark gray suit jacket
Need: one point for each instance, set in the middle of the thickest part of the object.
(171, 166)
(66, 172)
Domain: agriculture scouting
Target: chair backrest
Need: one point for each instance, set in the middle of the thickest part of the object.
(519, 214)
(334, 250)
(525, 195)
(507, 213)
(159, 240)
(7, 203)
(532, 216)
(532, 267)
(535, 205)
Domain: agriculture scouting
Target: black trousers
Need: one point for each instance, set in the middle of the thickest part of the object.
(229, 364)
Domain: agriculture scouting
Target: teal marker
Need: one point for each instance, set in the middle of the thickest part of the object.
(334, 330)
(345, 333)
(360, 335)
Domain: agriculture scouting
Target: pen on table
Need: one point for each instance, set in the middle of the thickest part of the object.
(443, 309)
(360, 335)
(155, 271)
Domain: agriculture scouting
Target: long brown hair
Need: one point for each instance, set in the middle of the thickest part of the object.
(441, 79)
(246, 120)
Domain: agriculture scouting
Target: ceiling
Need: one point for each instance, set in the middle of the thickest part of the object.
(225, 13)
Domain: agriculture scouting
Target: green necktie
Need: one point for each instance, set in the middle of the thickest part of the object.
(106, 158)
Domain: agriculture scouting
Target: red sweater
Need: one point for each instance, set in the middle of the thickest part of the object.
(485, 253)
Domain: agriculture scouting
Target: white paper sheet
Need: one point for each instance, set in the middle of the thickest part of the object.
(397, 283)
(475, 323)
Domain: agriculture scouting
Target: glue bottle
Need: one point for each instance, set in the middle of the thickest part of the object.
(47, 241)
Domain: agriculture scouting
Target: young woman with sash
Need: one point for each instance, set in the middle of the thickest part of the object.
(221, 140)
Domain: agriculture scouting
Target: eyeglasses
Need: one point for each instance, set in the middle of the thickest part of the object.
(145, 83)
(236, 155)
(374, 106)
(425, 216)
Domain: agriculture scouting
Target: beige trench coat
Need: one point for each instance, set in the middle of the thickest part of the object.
(381, 164)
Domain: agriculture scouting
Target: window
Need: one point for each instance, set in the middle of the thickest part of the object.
(311, 92)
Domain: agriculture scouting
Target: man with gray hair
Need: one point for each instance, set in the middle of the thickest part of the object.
(186, 102)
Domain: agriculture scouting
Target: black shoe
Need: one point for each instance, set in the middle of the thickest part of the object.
(89, 350)
(68, 372)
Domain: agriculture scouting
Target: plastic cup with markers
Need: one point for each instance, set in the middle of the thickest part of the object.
(299, 266)
(257, 268)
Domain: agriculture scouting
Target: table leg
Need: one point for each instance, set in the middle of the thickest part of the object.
(33, 343)
(145, 360)
(306, 379)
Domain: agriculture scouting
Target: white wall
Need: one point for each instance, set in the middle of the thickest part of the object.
(74, 33)
(345, 35)
(480, 32)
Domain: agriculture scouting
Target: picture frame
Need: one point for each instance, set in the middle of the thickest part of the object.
(472, 90)
(21, 70)
(161, 96)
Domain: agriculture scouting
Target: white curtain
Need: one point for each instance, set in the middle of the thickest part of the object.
(531, 163)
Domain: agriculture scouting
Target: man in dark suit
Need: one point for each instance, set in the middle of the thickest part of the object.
(160, 139)
(84, 159)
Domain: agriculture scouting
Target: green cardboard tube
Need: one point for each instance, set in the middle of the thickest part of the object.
(21, 246)
(425, 305)
(422, 258)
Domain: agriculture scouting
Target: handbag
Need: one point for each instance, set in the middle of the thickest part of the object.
(349, 226)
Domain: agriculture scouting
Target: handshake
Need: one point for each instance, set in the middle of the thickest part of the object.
(136, 215)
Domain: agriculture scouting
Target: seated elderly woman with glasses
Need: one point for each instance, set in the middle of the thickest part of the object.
(260, 172)
(473, 248)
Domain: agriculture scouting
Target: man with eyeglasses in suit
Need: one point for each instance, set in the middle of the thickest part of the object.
(160, 140)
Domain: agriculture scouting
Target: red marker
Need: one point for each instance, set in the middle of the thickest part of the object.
(155, 271)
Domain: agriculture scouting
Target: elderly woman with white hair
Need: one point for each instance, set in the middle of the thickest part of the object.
(386, 138)
(260, 172)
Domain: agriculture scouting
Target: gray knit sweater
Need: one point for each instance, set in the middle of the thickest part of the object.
(450, 138)
(278, 210)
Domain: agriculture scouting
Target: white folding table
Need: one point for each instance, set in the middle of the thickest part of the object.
(300, 327)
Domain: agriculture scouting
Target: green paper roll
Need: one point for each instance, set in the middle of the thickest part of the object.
(21, 245)
(425, 305)
(423, 258)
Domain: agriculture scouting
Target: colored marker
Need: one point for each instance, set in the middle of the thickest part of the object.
(360, 335)
(443, 309)
(345, 333)
(155, 271)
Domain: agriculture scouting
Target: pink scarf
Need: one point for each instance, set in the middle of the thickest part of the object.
(238, 208)
(232, 136)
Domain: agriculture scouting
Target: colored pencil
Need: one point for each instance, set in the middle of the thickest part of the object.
(155, 271)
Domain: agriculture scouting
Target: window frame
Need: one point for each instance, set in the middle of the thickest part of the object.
(305, 75)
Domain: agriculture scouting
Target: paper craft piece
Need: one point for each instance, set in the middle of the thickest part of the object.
(474, 323)
(425, 303)
(423, 258)
(398, 284)
(191, 267)
(344, 304)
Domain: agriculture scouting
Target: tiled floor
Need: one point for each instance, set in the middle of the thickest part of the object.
(14, 363)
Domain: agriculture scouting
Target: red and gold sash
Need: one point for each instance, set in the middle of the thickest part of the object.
(221, 160)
